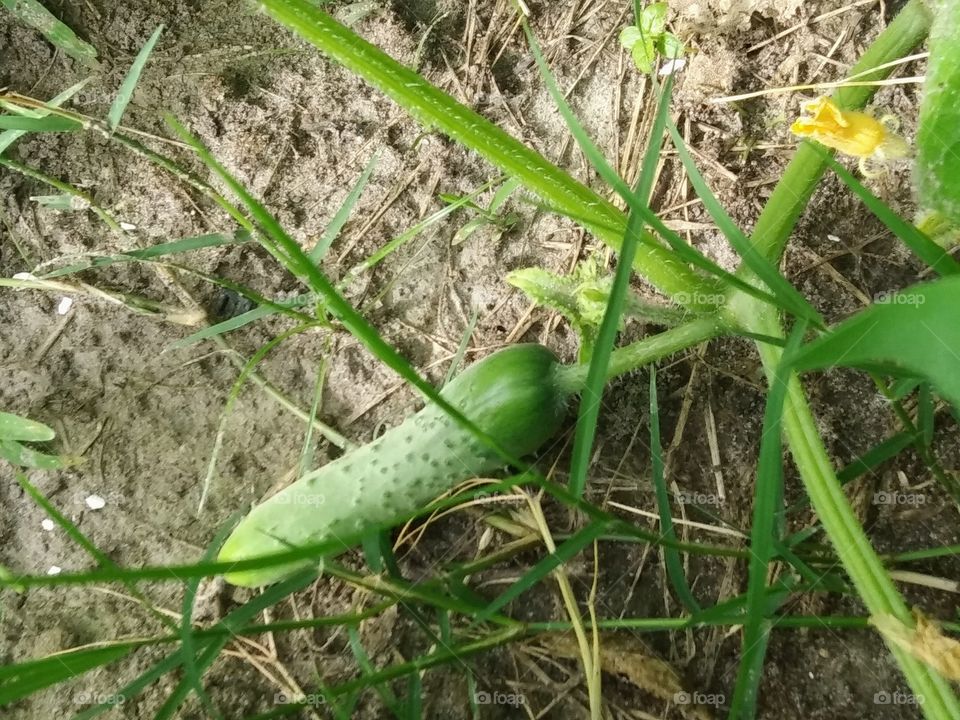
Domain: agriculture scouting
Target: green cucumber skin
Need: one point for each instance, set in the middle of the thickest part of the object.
(938, 134)
(511, 395)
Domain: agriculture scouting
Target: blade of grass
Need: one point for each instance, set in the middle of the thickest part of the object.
(123, 98)
(638, 204)
(343, 213)
(672, 557)
(592, 396)
(923, 247)
(767, 503)
(39, 124)
(32, 13)
(761, 267)
(183, 245)
(8, 137)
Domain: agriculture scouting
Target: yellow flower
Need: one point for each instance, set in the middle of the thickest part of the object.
(853, 133)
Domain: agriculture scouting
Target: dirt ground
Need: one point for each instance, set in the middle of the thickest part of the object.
(299, 131)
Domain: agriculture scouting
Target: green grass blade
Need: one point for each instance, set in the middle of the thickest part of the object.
(767, 504)
(175, 247)
(38, 124)
(8, 137)
(343, 214)
(788, 295)
(923, 247)
(32, 13)
(302, 267)
(123, 98)
(14, 427)
(23, 679)
(191, 674)
(592, 396)
(564, 552)
(672, 557)
(682, 251)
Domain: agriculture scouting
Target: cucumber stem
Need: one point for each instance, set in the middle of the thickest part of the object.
(571, 379)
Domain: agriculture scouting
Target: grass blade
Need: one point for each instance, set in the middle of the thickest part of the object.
(671, 556)
(767, 504)
(123, 98)
(32, 13)
(343, 214)
(923, 247)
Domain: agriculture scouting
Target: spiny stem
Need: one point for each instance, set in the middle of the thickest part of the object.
(572, 378)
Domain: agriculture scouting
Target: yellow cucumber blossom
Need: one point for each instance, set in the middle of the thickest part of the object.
(850, 132)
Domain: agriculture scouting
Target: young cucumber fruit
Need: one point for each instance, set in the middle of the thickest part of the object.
(514, 396)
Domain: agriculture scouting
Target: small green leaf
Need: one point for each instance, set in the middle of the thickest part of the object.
(23, 456)
(644, 53)
(630, 36)
(653, 19)
(670, 46)
(44, 124)
(14, 427)
(911, 333)
(125, 95)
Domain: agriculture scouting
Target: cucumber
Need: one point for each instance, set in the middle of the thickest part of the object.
(514, 396)
(937, 172)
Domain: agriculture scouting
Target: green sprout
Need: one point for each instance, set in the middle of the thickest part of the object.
(649, 38)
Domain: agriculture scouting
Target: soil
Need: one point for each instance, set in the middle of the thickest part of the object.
(299, 131)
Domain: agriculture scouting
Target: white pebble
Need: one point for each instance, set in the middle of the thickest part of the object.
(47, 524)
(64, 307)
(127, 226)
(54, 570)
(95, 502)
(24, 276)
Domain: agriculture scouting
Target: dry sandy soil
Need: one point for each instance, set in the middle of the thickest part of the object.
(299, 131)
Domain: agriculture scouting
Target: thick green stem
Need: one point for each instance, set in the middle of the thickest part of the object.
(793, 191)
(847, 535)
(572, 378)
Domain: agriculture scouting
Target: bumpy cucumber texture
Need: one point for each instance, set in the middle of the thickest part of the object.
(513, 395)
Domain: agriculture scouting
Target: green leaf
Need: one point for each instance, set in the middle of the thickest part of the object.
(43, 124)
(912, 333)
(125, 95)
(653, 19)
(23, 679)
(670, 46)
(32, 13)
(14, 427)
(644, 54)
(23, 456)
(630, 36)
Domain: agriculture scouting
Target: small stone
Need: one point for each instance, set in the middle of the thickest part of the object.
(64, 307)
(95, 502)
(47, 524)
(54, 570)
